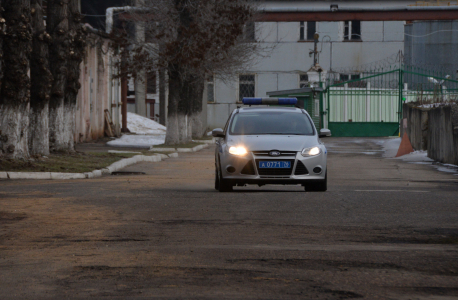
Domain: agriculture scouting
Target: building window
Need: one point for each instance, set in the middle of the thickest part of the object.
(249, 32)
(352, 30)
(303, 81)
(311, 30)
(301, 31)
(151, 83)
(355, 76)
(348, 77)
(210, 89)
(353, 81)
(246, 86)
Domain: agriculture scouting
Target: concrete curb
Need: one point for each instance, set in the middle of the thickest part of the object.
(212, 141)
(87, 175)
(121, 164)
(194, 149)
(185, 150)
(163, 149)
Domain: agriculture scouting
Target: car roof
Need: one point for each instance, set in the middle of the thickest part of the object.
(271, 108)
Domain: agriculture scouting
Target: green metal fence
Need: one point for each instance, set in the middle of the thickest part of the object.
(371, 103)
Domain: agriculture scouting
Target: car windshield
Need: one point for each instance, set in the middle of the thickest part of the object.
(284, 123)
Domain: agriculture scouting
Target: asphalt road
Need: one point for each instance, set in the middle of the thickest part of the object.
(385, 229)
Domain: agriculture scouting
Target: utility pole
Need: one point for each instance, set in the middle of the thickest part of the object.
(316, 36)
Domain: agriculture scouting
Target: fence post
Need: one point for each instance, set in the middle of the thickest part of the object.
(345, 102)
(328, 117)
(401, 85)
(368, 101)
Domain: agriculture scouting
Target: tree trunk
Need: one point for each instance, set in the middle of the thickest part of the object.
(196, 97)
(15, 94)
(162, 104)
(2, 32)
(41, 80)
(57, 26)
(77, 44)
(185, 106)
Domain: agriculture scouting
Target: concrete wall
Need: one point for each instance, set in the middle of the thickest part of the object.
(435, 130)
(290, 58)
(443, 134)
(417, 126)
(98, 91)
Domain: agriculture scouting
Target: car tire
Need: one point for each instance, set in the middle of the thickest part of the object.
(216, 178)
(318, 186)
(223, 185)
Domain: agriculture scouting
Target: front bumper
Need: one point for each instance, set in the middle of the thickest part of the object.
(234, 169)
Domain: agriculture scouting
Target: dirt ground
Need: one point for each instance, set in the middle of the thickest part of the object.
(384, 230)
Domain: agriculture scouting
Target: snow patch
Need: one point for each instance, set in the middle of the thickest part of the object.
(141, 125)
(369, 153)
(446, 169)
(431, 105)
(147, 133)
(390, 146)
(416, 156)
(138, 141)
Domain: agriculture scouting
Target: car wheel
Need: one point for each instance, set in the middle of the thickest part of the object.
(318, 186)
(224, 185)
(216, 178)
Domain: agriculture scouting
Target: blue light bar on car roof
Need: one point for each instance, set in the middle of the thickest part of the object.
(271, 101)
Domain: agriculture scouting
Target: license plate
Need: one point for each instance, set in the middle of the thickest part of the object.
(274, 164)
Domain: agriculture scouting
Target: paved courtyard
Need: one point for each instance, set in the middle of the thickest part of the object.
(385, 229)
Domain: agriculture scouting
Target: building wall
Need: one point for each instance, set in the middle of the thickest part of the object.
(99, 91)
(290, 58)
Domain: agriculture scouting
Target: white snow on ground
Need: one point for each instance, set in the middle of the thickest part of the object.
(431, 105)
(147, 133)
(138, 141)
(141, 125)
(391, 147)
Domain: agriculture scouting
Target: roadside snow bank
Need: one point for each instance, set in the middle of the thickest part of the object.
(147, 133)
(390, 146)
(138, 141)
(141, 125)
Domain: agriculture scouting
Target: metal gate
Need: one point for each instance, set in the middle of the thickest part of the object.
(370, 102)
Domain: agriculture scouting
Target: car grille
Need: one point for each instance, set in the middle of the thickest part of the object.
(248, 169)
(300, 169)
(275, 172)
(282, 153)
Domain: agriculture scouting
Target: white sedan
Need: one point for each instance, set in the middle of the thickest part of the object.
(270, 145)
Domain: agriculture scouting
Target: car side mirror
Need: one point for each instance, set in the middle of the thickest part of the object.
(324, 132)
(218, 132)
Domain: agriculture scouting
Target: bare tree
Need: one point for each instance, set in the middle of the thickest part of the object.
(77, 44)
(15, 94)
(57, 26)
(2, 32)
(191, 39)
(41, 80)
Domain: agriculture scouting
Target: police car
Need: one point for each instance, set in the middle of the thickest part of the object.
(270, 145)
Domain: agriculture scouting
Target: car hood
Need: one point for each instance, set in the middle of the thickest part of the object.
(273, 142)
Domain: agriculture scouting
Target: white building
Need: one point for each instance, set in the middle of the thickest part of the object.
(346, 44)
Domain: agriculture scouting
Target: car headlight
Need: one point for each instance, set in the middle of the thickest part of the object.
(313, 151)
(238, 150)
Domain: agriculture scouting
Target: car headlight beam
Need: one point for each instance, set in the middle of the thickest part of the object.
(313, 151)
(238, 150)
